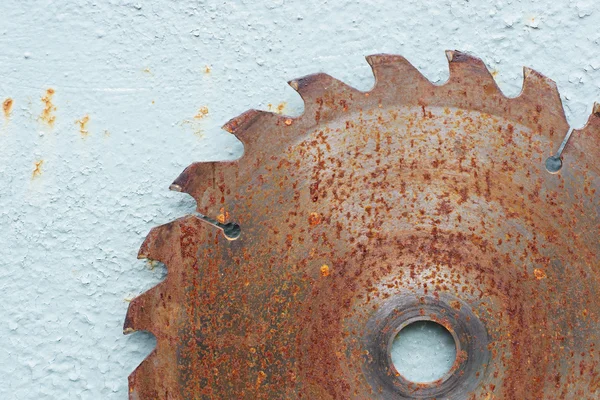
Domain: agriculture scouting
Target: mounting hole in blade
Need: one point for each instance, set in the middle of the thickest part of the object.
(423, 351)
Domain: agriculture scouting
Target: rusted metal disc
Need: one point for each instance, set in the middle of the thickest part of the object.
(371, 210)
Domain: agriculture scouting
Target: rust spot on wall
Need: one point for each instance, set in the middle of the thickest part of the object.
(48, 115)
(202, 112)
(7, 107)
(37, 170)
(195, 121)
(82, 122)
(325, 270)
(277, 109)
(207, 69)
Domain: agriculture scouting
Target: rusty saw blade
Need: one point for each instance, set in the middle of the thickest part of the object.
(411, 201)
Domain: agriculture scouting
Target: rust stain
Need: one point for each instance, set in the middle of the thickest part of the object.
(260, 378)
(277, 109)
(288, 121)
(7, 106)
(202, 112)
(82, 122)
(539, 273)
(195, 122)
(151, 264)
(37, 170)
(207, 69)
(314, 219)
(48, 115)
(325, 271)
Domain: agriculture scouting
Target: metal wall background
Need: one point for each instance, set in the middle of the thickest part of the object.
(105, 103)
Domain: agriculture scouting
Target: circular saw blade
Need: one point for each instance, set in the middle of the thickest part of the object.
(412, 201)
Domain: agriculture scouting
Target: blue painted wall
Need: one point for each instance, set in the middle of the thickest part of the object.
(107, 101)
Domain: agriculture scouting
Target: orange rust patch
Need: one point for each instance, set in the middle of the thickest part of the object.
(489, 89)
(37, 170)
(207, 69)
(260, 378)
(82, 122)
(49, 108)
(539, 273)
(314, 219)
(202, 112)
(288, 121)
(278, 109)
(325, 270)
(456, 305)
(7, 107)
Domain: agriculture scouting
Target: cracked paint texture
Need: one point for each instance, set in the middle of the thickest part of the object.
(95, 131)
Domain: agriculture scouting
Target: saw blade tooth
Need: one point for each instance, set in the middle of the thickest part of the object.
(535, 84)
(163, 242)
(324, 96)
(209, 183)
(154, 245)
(541, 106)
(587, 139)
(243, 121)
(146, 380)
(467, 68)
(254, 127)
(402, 75)
(143, 311)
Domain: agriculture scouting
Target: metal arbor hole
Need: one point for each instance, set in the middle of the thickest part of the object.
(423, 351)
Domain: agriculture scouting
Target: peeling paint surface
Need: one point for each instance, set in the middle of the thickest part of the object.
(139, 70)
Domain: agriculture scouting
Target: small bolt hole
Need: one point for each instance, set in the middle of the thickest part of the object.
(553, 164)
(231, 231)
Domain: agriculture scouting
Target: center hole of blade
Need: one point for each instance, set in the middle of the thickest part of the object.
(423, 351)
